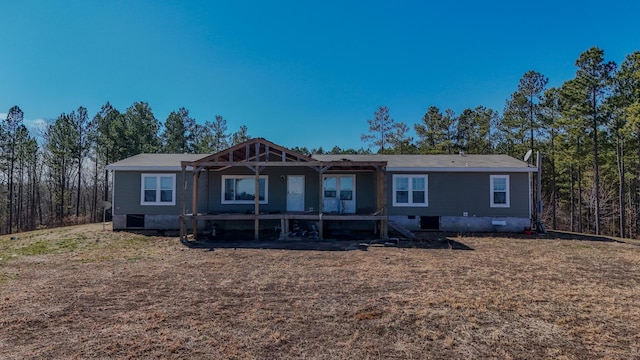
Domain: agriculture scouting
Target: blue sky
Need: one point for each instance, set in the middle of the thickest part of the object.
(297, 73)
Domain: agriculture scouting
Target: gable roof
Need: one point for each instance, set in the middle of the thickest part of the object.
(254, 150)
(440, 163)
(154, 162)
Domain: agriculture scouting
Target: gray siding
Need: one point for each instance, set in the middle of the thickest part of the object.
(127, 188)
(365, 192)
(449, 196)
(452, 194)
(277, 189)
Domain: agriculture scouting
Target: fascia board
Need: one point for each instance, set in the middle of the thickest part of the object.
(465, 169)
(145, 168)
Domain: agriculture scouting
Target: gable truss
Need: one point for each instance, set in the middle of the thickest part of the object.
(260, 153)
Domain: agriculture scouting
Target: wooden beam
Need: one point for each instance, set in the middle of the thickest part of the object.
(385, 222)
(297, 216)
(323, 165)
(207, 191)
(194, 203)
(283, 222)
(256, 221)
(320, 208)
(352, 217)
(183, 228)
(257, 150)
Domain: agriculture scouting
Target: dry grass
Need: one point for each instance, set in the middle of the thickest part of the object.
(79, 292)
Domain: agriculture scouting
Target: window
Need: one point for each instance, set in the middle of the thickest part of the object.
(242, 189)
(158, 189)
(499, 190)
(410, 190)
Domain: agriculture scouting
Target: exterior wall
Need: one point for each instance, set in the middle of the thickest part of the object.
(365, 192)
(449, 196)
(453, 194)
(126, 201)
(276, 188)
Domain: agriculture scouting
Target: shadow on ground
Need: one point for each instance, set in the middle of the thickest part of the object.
(323, 245)
(446, 243)
(565, 235)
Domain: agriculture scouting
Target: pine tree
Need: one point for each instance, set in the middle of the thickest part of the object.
(474, 130)
(219, 133)
(626, 101)
(240, 136)
(105, 140)
(10, 127)
(400, 141)
(380, 130)
(593, 81)
(436, 131)
(59, 142)
(550, 115)
(178, 133)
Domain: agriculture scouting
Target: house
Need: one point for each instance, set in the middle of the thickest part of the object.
(260, 186)
(461, 193)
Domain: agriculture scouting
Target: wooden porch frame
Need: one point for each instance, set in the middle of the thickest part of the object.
(255, 154)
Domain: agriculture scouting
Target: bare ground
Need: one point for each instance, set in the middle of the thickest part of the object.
(81, 292)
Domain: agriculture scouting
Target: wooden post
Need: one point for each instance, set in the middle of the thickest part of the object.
(194, 203)
(285, 227)
(183, 232)
(385, 221)
(320, 209)
(379, 200)
(256, 221)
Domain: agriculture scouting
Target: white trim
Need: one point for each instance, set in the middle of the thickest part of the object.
(146, 168)
(232, 202)
(530, 179)
(158, 190)
(410, 190)
(507, 191)
(113, 193)
(399, 169)
(463, 169)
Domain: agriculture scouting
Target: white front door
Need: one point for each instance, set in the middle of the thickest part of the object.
(295, 193)
(339, 194)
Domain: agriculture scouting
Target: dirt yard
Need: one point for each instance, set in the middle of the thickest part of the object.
(81, 292)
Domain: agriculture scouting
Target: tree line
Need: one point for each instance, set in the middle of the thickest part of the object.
(58, 177)
(588, 130)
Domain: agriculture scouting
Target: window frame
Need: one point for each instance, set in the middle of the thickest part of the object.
(410, 190)
(158, 201)
(223, 189)
(492, 191)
